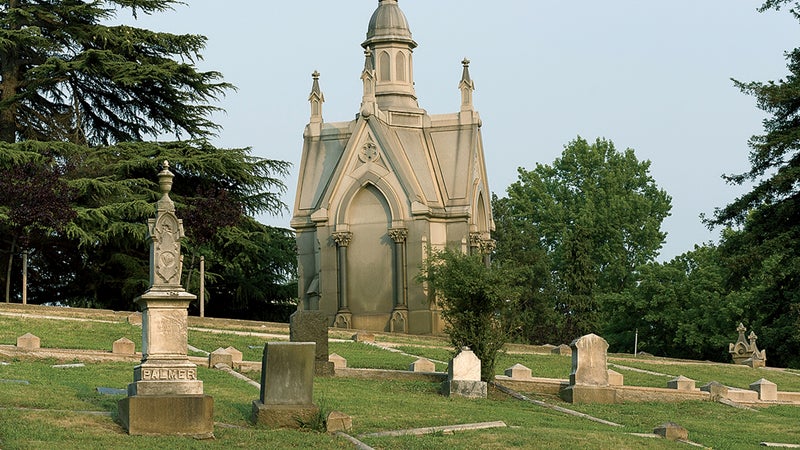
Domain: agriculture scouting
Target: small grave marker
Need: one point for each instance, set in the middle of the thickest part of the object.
(28, 341)
(422, 365)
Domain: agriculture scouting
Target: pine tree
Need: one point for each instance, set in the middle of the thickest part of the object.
(87, 95)
(67, 76)
(763, 253)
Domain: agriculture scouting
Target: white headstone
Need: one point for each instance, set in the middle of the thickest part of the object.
(464, 367)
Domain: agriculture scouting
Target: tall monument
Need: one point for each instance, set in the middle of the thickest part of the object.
(166, 397)
(376, 193)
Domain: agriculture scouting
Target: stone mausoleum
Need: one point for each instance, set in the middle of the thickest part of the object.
(376, 193)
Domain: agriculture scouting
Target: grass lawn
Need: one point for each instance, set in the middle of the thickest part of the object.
(61, 407)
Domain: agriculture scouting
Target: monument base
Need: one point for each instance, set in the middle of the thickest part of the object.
(464, 388)
(588, 394)
(284, 416)
(324, 369)
(190, 415)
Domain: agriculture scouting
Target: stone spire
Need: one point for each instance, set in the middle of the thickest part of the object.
(316, 99)
(389, 40)
(466, 86)
(368, 78)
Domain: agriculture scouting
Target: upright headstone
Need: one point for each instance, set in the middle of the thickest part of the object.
(29, 341)
(767, 390)
(562, 349)
(681, 383)
(312, 326)
(166, 397)
(464, 376)
(123, 346)
(717, 390)
(338, 361)
(518, 372)
(236, 355)
(588, 381)
(220, 356)
(615, 378)
(422, 365)
(287, 386)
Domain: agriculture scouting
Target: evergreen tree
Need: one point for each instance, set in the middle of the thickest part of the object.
(67, 76)
(763, 253)
(88, 94)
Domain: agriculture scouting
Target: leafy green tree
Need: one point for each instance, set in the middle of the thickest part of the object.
(681, 308)
(591, 219)
(764, 252)
(478, 303)
(88, 93)
(35, 203)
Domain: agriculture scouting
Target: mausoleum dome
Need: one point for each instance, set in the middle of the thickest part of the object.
(388, 24)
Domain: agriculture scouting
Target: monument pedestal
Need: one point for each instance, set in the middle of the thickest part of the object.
(284, 416)
(191, 415)
(464, 388)
(588, 394)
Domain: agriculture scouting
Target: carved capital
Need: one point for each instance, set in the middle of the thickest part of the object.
(488, 246)
(475, 239)
(342, 238)
(398, 235)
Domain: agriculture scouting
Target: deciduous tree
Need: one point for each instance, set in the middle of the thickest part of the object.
(588, 221)
(479, 303)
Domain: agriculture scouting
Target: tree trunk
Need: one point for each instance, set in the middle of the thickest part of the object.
(8, 272)
(25, 277)
(10, 68)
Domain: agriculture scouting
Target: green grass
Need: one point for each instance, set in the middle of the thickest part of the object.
(365, 356)
(70, 334)
(728, 374)
(42, 414)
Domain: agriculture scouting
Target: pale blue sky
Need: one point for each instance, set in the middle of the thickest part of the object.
(652, 76)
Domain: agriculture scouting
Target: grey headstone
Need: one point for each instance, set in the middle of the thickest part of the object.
(287, 373)
(589, 361)
(310, 326)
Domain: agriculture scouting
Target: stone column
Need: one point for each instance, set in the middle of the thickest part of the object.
(487, 247)
(166, 396)
(343, 315)
(399, 319)
(399, 236)
(475, 241)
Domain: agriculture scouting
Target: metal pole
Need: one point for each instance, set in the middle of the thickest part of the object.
(25, 277)
(636, 343)
(202, 286)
